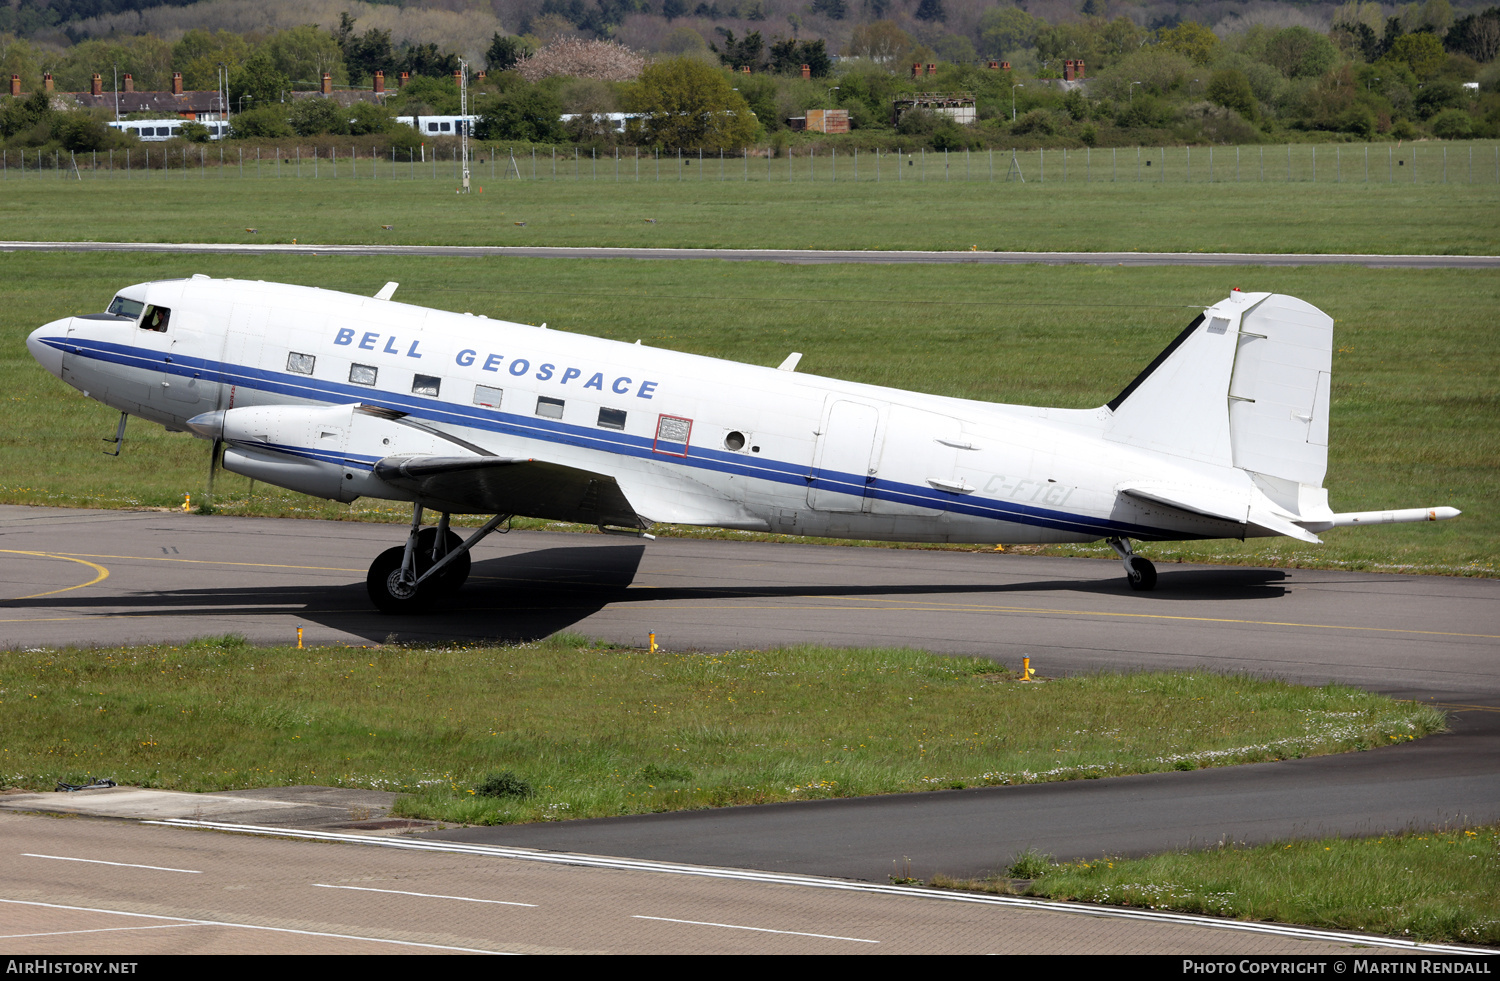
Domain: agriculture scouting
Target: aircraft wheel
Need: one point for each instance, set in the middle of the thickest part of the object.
(1141, 574)
(456, 574)
(387, 591)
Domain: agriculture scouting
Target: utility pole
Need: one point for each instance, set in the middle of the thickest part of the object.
(463, 125)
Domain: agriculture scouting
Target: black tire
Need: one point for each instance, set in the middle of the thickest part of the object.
(385, 588)
(1141, 574)
(455, 575)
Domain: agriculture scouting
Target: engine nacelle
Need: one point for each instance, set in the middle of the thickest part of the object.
(325, 451)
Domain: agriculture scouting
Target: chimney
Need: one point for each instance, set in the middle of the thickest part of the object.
(482, 76)
(380, 83)
(458, 78)
(96, 85)
(15, 85)
(1005, 66)
(932, 69)
(1078, 71)
(807, 71)
(994, 66)
(916, 70)
(401, 82)
(129, 82)
(745, 69)
(177, 83)
(327, 84)
(1068, 70)
(47, 82)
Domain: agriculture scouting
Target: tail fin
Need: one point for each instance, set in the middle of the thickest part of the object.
(1245, 385)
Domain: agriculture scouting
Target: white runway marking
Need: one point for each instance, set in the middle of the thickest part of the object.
(423, 895)
(97, 861)
(184, 921)
(71, 933)
(735, 926)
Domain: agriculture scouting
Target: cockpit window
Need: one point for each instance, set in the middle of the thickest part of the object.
(123, 307)
(156, 319)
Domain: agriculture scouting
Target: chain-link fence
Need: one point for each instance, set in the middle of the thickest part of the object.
(1455, 163)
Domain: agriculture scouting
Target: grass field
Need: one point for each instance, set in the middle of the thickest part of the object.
(597, 730)
(1435, 886)
(1416, 385)
(1403, 217)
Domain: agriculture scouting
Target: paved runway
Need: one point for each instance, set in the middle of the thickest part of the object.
(797, 256)
(111, 888)
(172, 576)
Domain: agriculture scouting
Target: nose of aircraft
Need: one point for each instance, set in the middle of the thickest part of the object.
(48, 355)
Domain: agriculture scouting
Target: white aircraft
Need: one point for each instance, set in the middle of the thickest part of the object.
(1224, 435)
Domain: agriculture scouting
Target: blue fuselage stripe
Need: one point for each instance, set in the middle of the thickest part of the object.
(525, 427)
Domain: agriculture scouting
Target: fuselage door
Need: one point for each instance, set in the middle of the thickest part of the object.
(843, 465)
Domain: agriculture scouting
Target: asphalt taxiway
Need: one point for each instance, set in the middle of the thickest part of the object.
(108, 577)
(794, 256)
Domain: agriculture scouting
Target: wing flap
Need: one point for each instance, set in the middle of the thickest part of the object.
(504, 485)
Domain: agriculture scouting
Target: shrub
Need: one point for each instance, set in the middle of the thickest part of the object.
(1452, 124)
(503, 784)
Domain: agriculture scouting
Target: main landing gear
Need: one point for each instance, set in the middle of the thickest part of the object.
(1139, 572)
(433, 563)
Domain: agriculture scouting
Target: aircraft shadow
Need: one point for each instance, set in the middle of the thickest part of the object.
(530, 595)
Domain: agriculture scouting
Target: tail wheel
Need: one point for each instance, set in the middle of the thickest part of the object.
(1141, 574)
(457, 572)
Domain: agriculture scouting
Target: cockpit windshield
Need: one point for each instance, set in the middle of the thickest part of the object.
(123, 307)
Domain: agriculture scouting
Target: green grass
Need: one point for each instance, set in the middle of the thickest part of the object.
(1176, 216)
(599, 731)
(1416, 384)
(1436, 886)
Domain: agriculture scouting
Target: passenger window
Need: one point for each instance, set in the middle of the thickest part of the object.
(156, 319)
(487, 397)
(301, 364)
(362, 374)
(122, 307)
(612, 418)
(426, 385)
(549, 408)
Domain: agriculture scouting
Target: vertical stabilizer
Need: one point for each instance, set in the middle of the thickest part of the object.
(1179, 405)
(1278, 395)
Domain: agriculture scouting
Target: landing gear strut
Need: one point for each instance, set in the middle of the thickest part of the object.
(1139, 572)
(433, 563)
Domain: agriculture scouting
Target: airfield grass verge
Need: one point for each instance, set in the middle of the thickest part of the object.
(1051, 216)
(576, 729)
(1434, 886)
(1416, 380)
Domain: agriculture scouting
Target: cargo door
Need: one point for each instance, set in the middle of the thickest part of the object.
(842, 464)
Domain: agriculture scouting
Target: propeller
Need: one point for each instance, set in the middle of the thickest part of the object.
(215, 455)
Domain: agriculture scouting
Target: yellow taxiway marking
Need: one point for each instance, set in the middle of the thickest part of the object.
(103, 573)
(168, 558)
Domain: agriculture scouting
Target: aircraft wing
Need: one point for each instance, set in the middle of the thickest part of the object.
(503, 485)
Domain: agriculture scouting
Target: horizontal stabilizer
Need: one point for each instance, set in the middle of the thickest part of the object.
(1278, 525)
(1243, 508)
(503, 485)
(1209, 501)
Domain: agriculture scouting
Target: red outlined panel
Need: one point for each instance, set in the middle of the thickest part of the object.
(672, 435)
